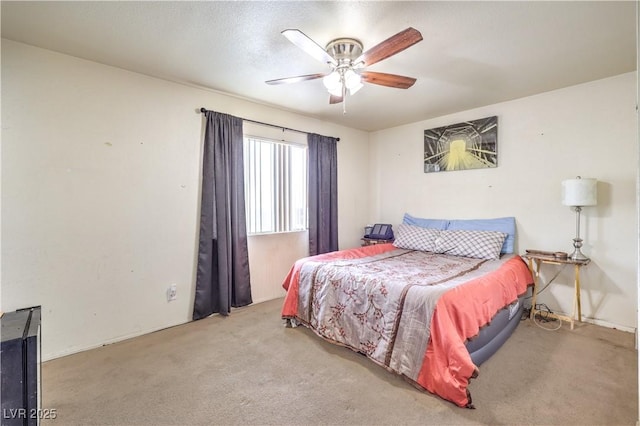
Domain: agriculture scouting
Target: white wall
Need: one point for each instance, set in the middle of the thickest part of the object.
(588, 130)
(100, 196)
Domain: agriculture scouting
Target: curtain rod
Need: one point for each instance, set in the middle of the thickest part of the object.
(203, 110)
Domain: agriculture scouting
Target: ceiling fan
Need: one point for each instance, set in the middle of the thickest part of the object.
(346, 60)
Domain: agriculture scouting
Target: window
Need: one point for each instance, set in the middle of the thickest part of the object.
(275, 179)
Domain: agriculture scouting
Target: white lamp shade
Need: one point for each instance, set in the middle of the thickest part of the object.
(580, 192)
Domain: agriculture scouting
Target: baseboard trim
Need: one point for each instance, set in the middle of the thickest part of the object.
(78, 349)
(71, 351)
(603, 323)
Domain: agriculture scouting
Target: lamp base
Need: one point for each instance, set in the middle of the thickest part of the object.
(577, 253)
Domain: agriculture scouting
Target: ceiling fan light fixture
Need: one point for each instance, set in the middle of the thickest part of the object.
(355, 88)
(352, 80)
(332, 81)
(336, 91)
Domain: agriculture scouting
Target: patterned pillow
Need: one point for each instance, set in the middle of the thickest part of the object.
(476, 244)
(416, 238)
(501, 224)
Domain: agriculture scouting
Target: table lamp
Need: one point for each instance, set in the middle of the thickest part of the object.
(579, 193)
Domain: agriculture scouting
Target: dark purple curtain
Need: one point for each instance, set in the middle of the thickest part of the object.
(323, 194)
(222, 279)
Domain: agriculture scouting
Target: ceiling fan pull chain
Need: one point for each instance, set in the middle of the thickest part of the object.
(344, 99)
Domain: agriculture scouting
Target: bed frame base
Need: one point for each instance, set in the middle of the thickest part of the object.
(493, 335)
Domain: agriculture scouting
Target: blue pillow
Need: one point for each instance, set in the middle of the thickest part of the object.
(502, 224)
(425, 223)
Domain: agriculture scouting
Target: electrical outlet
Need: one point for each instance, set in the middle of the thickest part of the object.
(172, 292)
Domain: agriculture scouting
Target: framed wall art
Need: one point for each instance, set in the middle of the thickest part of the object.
(462, 146)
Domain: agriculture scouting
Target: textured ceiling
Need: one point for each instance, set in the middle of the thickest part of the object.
(473, 53)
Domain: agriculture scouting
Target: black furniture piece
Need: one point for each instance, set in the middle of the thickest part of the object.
(20, 362)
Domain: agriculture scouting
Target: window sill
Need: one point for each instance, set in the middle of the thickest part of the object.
(277, 233)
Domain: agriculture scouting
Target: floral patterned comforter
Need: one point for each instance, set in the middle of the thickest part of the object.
(408, 311)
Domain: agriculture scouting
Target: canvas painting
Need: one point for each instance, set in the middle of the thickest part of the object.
(462, 146)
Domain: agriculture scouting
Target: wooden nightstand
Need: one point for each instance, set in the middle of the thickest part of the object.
(535, 260)
(373, 241)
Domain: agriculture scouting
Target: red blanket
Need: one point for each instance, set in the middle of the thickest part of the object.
(444, 366)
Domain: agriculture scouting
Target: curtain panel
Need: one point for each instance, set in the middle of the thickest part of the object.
(323, 194)
(222, 279)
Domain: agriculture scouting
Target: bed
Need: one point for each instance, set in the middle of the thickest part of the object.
(428, 307)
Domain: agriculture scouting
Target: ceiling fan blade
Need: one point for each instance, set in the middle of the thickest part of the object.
(312, 48)
(389, 80)
(333, 99)
(295, 79)
(390, 46)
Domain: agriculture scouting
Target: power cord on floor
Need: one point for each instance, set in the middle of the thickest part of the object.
(544, 315)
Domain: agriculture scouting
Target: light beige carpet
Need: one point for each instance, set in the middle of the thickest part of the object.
(249, 369)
